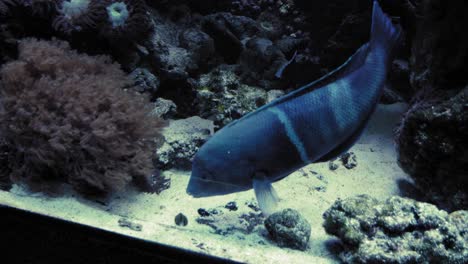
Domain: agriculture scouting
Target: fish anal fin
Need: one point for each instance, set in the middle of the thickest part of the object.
(267, 197)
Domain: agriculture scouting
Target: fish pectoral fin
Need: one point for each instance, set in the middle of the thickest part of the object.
(267, 197)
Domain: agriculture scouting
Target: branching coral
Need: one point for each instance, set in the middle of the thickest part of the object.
(66, 118)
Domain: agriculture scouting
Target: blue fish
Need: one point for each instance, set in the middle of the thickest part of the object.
(314, 123)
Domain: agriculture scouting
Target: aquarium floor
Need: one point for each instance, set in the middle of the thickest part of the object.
(310, 190)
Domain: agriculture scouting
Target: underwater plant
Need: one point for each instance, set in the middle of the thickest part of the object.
(66, 118)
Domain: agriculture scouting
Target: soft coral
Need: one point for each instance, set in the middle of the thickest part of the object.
(66, 118)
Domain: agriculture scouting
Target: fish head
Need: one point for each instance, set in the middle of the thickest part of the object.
(218, 171)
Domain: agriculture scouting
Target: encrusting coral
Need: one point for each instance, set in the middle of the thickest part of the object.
(66, 118)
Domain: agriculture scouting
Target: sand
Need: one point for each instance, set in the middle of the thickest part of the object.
(310, 191)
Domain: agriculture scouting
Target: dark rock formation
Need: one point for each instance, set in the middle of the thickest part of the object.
(397, 230)
(440, 47)
(432, 146)
(432, 137)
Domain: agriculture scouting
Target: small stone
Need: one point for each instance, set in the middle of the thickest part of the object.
(253, 205)
(349, 160)
(181, 220)
(320, 188)
(203, 212)
(123, 222)
(332, 165)
(232, 206)
(289, 229)
(214, 211)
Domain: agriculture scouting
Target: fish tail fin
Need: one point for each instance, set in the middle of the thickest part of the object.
(384, 34)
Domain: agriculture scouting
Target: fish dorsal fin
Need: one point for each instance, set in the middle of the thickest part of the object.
(353, 63)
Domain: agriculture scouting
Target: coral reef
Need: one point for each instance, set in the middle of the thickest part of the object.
(67, 119)
(397, 230)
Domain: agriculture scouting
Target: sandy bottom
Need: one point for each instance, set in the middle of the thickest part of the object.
(239, 234)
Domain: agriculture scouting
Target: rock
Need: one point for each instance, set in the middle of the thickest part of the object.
(220, 97)
(228, 223)
(123, 222)
(181, 220)
(5, 181)
(333, 165)
(228, 31)
(398, 230)
(145, 81)
(232, 206)
(289, 229)
(347, 28)
(199, 44)
(179, 48)
(177, 62)
(439, 46)
(389, 96)
(169, 59)
(182, 138)
(156, 183)
(432, 140)
(203, 212)
(253, 205)
(399, 82)
(164, 108)
(349, 160)
(260, 60)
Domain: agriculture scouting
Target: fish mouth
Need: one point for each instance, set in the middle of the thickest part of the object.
(199, 187)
